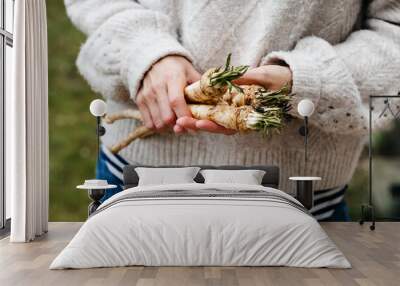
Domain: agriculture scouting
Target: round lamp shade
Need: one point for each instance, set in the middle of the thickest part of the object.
(98, 107)
(305, 108)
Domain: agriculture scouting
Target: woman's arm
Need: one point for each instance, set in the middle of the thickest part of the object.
(340, 78)
(124, 41)
(128, 45)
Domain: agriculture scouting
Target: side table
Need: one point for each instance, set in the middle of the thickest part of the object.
(304, 190)
(96, 190)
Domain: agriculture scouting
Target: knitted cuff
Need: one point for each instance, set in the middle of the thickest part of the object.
(306, 81)
(321, 75)
(143, 53)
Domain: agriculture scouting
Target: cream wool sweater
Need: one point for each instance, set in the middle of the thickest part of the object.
(337, 58)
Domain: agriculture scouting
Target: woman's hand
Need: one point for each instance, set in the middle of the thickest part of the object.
(160, 99)
(192, 124)
(272, 77)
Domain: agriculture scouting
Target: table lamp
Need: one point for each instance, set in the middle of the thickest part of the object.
(304, 191)
(305, 108)
(98, 108)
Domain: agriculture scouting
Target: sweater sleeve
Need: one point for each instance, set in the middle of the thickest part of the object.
(340, 78)
(124, 41)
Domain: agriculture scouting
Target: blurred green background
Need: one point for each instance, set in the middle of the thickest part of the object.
(73, 144)
(71, 127)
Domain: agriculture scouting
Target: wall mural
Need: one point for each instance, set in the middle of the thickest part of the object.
(175, 125)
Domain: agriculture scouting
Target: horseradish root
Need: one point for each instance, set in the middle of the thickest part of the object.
(139, 132)
(258, 97)
(124, 114)
(241, 119)
(214, 83)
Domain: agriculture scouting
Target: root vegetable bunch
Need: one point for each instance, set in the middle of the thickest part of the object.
(215, 97)
(214, 83)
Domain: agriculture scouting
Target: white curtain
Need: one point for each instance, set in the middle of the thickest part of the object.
(27, 124)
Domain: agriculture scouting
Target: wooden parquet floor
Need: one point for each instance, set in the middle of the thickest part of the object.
(375, 257)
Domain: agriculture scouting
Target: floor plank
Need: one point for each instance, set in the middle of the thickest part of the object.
(375, 257)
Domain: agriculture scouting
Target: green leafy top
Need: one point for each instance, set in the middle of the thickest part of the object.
(227, 75)
(276, 98)
(271, 111)
(270, 119)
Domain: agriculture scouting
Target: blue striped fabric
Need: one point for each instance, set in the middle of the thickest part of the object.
(328, 204)
(109, 168)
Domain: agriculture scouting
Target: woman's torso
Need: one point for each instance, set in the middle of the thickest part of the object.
(249, 30)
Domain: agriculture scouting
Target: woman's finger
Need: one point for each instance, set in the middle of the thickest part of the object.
(144, 112)
(179, 129)
(176, 97)
(191, 123)
(187, 122)
(150, 100)
(209, 126)
(167, 115)
(252, 76)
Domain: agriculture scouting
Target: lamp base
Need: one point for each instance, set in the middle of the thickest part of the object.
(95, 195)
(304, 190)
(368, 212)
(305, 193)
